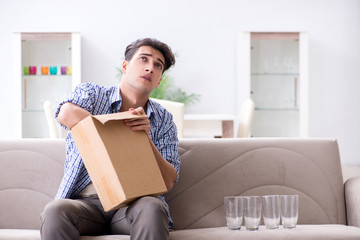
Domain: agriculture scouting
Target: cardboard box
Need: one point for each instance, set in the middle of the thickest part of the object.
(120, 161)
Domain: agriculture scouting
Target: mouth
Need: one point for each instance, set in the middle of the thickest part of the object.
(146, 77)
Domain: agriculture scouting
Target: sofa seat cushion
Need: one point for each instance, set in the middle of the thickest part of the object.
(106, 237)
(27, 234)
(19, 234)
(314, 232)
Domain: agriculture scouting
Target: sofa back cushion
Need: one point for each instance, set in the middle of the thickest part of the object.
(30, 174)
(214, 168)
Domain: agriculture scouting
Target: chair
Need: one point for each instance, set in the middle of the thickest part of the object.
(177, 110)
(246, 118)
(50, 119)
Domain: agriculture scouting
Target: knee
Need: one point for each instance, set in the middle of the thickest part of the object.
(150, 219)
(56, 210)
(151, 207)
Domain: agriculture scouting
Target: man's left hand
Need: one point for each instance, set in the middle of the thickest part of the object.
(138, 124)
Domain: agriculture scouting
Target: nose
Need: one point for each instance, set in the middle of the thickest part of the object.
(149, 68)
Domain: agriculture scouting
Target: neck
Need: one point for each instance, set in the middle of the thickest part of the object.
(131, 99)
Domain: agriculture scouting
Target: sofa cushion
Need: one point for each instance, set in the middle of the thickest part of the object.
(19, 234)
(22, 234)
(313, 232)
(214, 168)
(30, 174)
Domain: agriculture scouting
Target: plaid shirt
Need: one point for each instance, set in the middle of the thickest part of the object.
(101, 100)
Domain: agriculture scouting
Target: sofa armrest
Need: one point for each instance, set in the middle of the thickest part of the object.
(352, 198)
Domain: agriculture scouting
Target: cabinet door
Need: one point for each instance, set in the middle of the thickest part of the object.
(274, 84)
(273, 69)
(48, 62)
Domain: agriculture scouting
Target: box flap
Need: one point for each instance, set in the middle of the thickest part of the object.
(117, 116)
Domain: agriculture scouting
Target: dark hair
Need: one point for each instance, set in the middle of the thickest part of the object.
(163, 48)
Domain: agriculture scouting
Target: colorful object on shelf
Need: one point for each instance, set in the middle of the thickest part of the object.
(26, 70)
(44, 70)
(53, 70)
(32, 70)
(63, 70)
(69, 70)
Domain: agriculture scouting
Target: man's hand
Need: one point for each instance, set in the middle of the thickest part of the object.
(167, 170)
(138, 124)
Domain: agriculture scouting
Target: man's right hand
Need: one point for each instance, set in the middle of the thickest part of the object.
(70, 114)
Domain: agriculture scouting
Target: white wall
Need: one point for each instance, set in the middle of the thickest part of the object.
(203, 34)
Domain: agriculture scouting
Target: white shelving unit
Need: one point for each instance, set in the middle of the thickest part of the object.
(272, 71)
(39, 50)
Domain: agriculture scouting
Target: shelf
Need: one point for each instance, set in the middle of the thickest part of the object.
(39, 75)
(275, 74)
(32, 110)
(277, 109)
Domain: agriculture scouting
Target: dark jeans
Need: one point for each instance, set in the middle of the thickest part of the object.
(67, 219)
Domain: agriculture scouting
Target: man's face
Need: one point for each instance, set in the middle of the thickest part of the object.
(144, 70)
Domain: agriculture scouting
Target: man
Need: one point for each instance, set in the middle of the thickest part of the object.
(76, 209)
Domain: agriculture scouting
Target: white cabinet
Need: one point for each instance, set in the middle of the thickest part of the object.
(56, 58)
(275, 67)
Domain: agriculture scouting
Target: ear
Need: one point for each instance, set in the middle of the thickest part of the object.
(124, 66)
(158, 83)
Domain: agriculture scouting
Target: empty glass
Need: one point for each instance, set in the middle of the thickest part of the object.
(289, 210)
(252, 212)
(234, 212)
(271, 211)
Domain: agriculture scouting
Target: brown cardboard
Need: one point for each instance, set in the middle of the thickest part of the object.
(120, 161)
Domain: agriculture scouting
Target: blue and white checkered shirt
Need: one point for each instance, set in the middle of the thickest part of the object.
(101, 100)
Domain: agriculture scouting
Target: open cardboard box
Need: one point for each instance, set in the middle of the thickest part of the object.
(120, 161)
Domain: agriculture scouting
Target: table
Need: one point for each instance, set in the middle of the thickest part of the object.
(227, 122)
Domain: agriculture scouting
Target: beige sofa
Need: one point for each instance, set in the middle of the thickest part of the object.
(31, 169)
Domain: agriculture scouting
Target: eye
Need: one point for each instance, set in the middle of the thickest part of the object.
(159, 66)
(143, 58)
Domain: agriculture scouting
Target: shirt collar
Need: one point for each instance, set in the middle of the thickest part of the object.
(150, 108)
(115, 99)
(115, 102)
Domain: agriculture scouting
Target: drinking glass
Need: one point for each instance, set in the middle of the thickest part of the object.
(44, 70)
(234, 211)
(289, 210)
(252, 212)
(53, 70)
(26, 70)
(32, 70)
(271, 211)
(63, 70)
